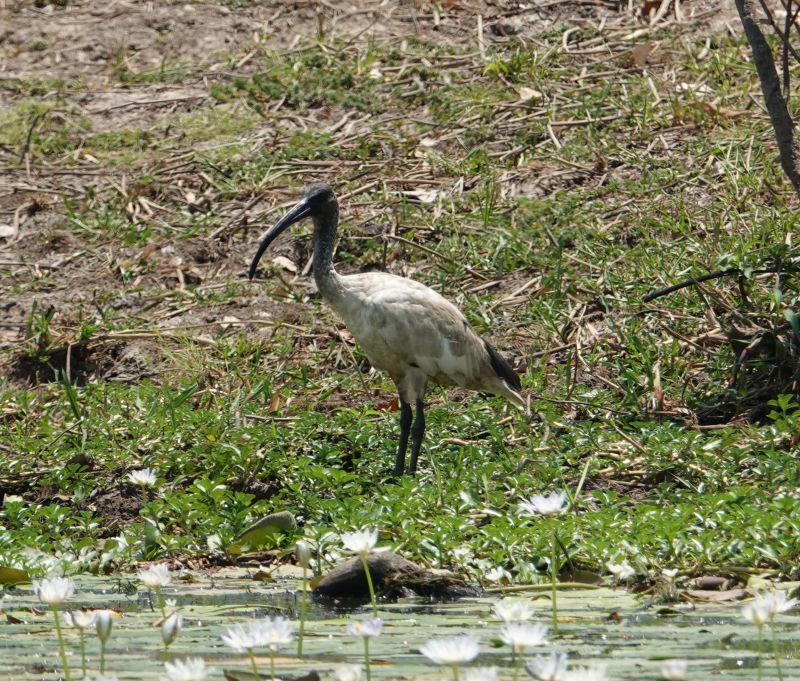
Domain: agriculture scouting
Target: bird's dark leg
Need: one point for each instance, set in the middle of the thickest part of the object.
(405, 429)
(416, 436)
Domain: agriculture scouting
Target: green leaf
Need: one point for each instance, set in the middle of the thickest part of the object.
(72, 396)
(9, 575)
(260, 531)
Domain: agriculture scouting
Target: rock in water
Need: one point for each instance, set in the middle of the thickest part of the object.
(393, 576)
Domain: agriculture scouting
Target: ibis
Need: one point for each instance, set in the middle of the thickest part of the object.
(404, 328)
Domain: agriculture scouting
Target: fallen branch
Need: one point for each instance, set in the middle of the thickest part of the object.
(708, 277)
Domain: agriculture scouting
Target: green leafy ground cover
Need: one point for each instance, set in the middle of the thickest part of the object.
(544, 181)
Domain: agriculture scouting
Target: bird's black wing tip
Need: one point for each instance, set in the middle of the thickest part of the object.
(502, 368)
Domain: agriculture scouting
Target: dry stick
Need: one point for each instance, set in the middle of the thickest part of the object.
(770, 87)
(689, 282)
(240, 219)
(27, 146)
(481, 45)
(581, 403)
(707, 277)
(436, 254)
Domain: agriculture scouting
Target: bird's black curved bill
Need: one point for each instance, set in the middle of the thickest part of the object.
(300, 211)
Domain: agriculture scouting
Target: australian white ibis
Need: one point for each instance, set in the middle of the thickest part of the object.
(404, 327)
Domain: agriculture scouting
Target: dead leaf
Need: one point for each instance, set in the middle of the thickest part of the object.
(284, 263)
(526, 93)
(229, 321)
(640, 53)
(422, 195)
(275, 403)
(389, 405)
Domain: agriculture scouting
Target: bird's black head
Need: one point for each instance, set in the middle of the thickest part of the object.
(319, 203)
(319, 197)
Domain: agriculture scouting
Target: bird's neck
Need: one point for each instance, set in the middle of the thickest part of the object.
(324, 239)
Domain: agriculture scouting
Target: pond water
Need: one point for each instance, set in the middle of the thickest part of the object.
(629, 634)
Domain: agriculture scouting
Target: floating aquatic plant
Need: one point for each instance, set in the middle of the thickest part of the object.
(509, 610)
(366, 629)
(80, 620)
(170, 628)
(54, 592)
(155, 578)
(551, 667)
(452, 652)
(302, 552)
(674, 670)
(551, 504)
(190, 669)
(103, 622)
(361, 543)
(521, 636)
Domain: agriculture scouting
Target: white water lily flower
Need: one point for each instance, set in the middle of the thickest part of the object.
(302, 552)
(539, 504)
(674, 670)
(452, 651)
(781, 602)
(365, 628)
(552, 667)
(362, 541)
(155, 576)
(79, 619)
(244, 638)
(523, 635)
(55, 590)
(276, 632)
(759, 611)
(480, 674)
(497, 575)
(347, 672)
(595, 673)
(103, 621)
(170, 628)
(512, 611)
(146, 477)
(190, 669)
(621, 571)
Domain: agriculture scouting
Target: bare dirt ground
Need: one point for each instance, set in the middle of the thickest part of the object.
(86, 54)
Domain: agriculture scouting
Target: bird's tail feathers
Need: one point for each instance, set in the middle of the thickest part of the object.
(508, 378)
(503, 369)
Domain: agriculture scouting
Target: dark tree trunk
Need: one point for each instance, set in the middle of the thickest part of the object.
(770, 86)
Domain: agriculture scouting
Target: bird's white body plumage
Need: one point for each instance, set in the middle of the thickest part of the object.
(414, 334)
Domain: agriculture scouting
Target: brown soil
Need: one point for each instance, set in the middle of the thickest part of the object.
(99, 47)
